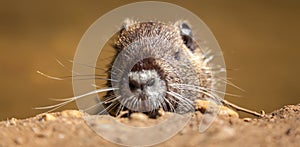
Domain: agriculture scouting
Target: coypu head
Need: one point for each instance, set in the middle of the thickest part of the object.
(158, 65)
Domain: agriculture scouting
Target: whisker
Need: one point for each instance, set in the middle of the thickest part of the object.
(163, 105)
(56, 106)
(106, 79)
(213, 96)
(121, 107)
(206, 89)
(68, 100)
(170, 105)
(109, 108)
(181, 98)
(69, 77)
(50, 77)
(112, 99)
(226, 81)
(89, 93)
(109, 98)
(89, 66)
(103, 102)
(208, 59)
(68, 69)
(238, 108)
(135, 102)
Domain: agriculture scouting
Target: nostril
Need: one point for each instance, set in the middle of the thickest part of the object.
(150, 82)
(133, 85)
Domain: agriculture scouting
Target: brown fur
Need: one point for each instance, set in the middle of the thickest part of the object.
(183, 65)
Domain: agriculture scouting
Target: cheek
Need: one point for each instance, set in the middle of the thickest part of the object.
(158, 89)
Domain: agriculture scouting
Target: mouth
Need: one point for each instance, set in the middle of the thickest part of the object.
(146, 88)
(149, 87)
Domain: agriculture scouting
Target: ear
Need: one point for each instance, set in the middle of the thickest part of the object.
(128, 22)
(186, 34)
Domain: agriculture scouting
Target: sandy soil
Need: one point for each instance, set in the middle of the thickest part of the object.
(67, 128)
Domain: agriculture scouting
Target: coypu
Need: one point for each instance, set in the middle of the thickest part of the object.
(159, 66)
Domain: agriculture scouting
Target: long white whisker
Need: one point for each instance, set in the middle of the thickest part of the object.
(88, 65)
(231, 84)
(47, 76)
(86, 94)
(171, 106)
(208, 59)
(120, 109)
(56, 106)
(102, 102)
(105, 109)
(108, 108)
(181, 98)
(74, 77)
(68, 100)
(194, 88)
(164, 106)
(68, 69)
(215, 97)
(203, 88)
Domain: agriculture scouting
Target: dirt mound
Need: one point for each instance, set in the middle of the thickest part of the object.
(67, 128)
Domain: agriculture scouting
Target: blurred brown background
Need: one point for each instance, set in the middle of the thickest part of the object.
(260, 41)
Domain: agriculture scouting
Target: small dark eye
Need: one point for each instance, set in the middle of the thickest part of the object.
(150, 82)
(177, 56)
(188, 41)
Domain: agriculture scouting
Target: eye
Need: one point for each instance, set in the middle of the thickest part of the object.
(177, 55)
(150, 82)
(188, 41)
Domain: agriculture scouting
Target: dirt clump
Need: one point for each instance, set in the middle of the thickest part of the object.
(68, 128)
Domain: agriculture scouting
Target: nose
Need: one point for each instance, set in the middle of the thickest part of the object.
(134, 85)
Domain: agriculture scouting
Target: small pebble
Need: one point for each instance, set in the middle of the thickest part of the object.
(61, 136)
(161, 112)
(138, 116)
(288, 131)
(247, 119)
(201, 105)
(226, 111)
(12, 121)
(40, 135)
(71, 113)
(48, 117)
(19, 140)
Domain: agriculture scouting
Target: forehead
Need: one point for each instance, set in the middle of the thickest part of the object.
(138, 30)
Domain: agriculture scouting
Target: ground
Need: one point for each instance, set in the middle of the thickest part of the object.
(67, 128)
